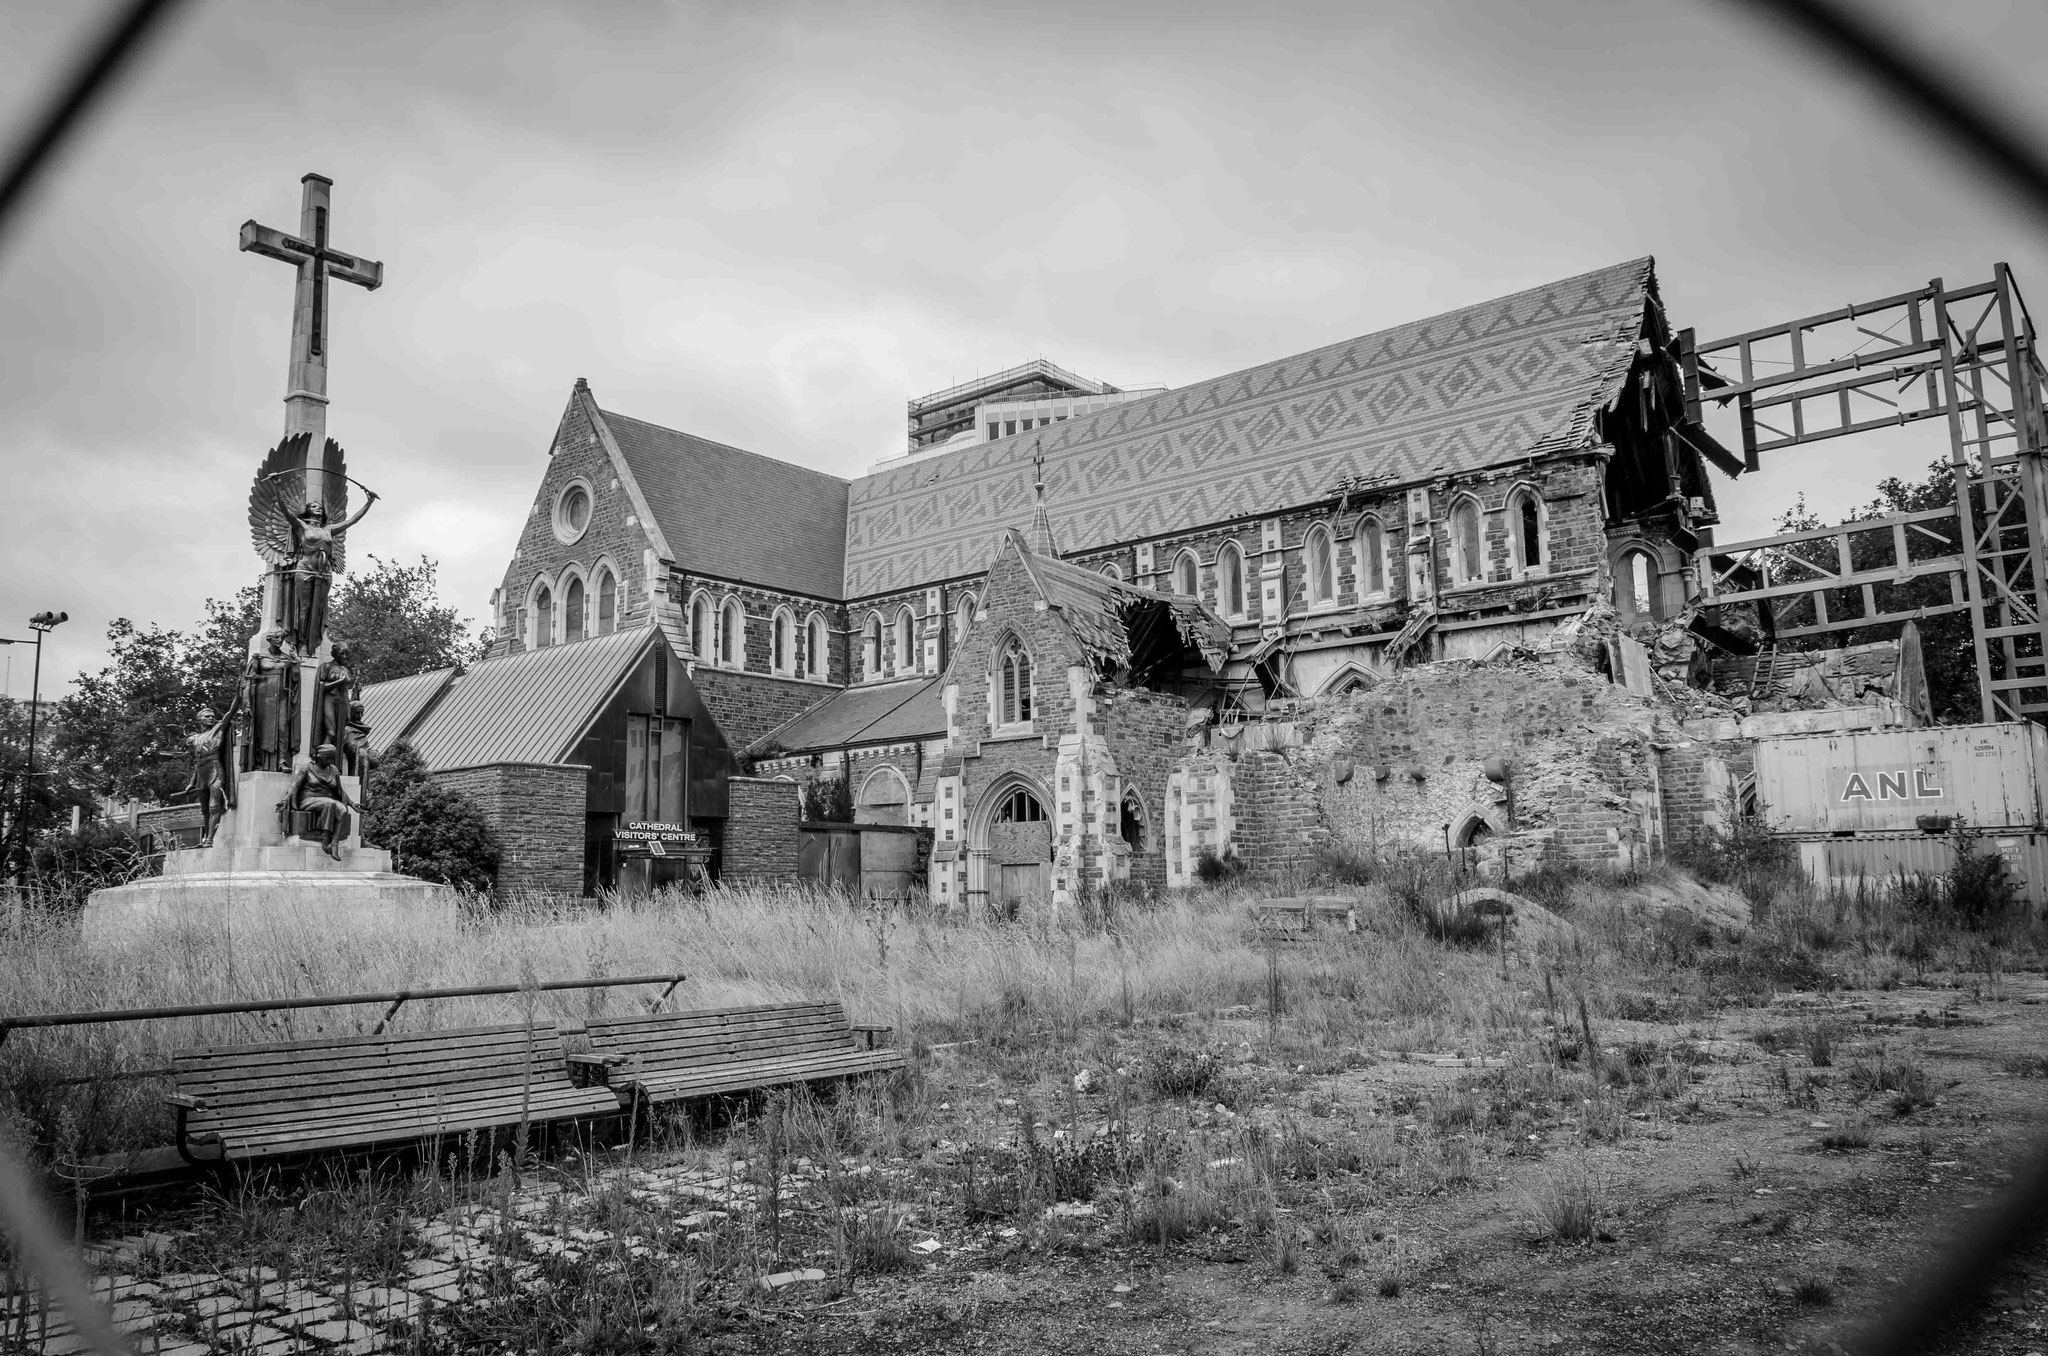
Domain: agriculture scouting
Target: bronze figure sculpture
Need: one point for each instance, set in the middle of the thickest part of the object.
(298, 534)
(212, 777)
(270, 696)
(318, 790)
(336, 693)
(356, 758)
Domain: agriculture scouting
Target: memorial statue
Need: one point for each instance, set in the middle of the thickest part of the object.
(317, 790)
(356, 758)
(212, 777)
(270, 697)
(337, 691)
(297, 535)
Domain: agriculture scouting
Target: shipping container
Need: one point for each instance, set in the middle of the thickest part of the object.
(1877, 861)
(1886, 781)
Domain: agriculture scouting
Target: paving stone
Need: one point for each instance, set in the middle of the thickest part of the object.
(391, 1306)
(350, 1337)
(190, 1283)
(219, 1306)
(787, 1278)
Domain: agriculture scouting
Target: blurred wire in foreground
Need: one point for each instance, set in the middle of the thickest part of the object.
(1849, 35)
(37, 1245)
(95, 73)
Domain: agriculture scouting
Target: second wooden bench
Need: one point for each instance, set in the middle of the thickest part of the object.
(676, 1056)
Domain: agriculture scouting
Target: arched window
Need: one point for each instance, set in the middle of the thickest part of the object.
(1638, 588)
(1013, 683)
(1187, 575)
(1131, 821)
(906, 641)
(871, 647)
(1319, 565)
(814, 647)
(884, 798)
(732, 634)
(543, 618)
(1113, 570)
(607, 603)
(572, 612)
(1468, 558)
(1525, 530)
(782, 642)
(700, 627)
(963, 616)
(1372, 557)
(1019, 807)
(1230, 580)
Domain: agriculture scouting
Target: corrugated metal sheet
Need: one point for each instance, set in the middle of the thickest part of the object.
(1990, 776)
(1870, 862)
(392, 707)
(847, 716)
(529, 707)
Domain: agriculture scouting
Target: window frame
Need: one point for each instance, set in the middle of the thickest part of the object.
(1466, 572)
(542, 635)
(1013, 676)
(1373, 555)
(1518, 533)
(1192, 563)
(558, 518)
(607, 596)
(782, 642)
(1229, 570)
(905, 631)
(816, 641)
(732, 634)
(1319, 536)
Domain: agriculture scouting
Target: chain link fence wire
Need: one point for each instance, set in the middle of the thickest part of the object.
(1951, 1288)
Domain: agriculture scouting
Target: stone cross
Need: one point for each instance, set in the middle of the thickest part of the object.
(305, 398)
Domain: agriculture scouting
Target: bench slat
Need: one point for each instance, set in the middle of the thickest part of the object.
(682, 1084)
(388, 1038)
(369, 1103)
(571, 1101)
(406, 1072)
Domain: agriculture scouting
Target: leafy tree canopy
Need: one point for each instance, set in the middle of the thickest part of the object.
(432, 831)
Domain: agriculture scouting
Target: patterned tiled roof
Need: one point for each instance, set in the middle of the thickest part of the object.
(529, 707)
(738, 515)
(1478, 387)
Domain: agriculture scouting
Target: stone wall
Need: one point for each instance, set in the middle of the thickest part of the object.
(537, 810)
(614, 538)
(750, 705)
(1279, 818)
(1146, 735)
(761, 839)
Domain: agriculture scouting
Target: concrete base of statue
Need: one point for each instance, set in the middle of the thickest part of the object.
(256, 878)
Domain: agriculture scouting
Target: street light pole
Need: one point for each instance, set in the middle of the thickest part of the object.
(42, 624)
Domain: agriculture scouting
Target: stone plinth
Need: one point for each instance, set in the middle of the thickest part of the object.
(255, 879)
(364, 900)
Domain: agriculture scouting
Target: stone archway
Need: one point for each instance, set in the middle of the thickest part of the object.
(1009, 842)
(884, 798)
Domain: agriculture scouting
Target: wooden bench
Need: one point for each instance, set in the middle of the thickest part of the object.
(675, 1056)
(243, 1102)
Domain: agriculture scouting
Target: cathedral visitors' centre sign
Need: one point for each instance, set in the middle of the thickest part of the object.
(1853, 785)
(657, 839)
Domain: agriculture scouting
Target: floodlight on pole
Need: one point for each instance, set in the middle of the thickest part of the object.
(42, 624)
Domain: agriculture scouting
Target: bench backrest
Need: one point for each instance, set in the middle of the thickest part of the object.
(240, 1083)
(723, 1035)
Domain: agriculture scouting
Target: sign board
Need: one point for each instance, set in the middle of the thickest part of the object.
(655, 836)
(1927, 784)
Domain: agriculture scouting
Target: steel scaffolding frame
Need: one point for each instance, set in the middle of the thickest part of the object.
(1967, 356)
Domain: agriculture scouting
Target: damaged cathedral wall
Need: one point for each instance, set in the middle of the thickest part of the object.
(1398, 767)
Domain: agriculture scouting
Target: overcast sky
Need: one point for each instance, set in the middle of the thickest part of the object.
(771, 225)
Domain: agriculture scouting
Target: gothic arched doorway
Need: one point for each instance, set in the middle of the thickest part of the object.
(1011, 838)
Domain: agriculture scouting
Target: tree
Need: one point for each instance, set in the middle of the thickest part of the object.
(829, 800)
(395, 624)
(433, 831)
(59, 782)
(128, 721)
(67, 867)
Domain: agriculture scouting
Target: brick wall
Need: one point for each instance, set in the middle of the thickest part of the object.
(1698, 776)
(1279, 820)
(1145, 733)
(755, 652)
(749, 705)
(761, 831)
(537, 810)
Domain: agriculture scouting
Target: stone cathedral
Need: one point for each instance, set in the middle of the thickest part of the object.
(1033, 631)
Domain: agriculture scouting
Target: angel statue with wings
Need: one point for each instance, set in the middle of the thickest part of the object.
(298, 535)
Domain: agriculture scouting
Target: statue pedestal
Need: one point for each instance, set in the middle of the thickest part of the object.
(256, 879)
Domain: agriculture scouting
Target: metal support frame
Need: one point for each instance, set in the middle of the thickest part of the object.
(1967, 356)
